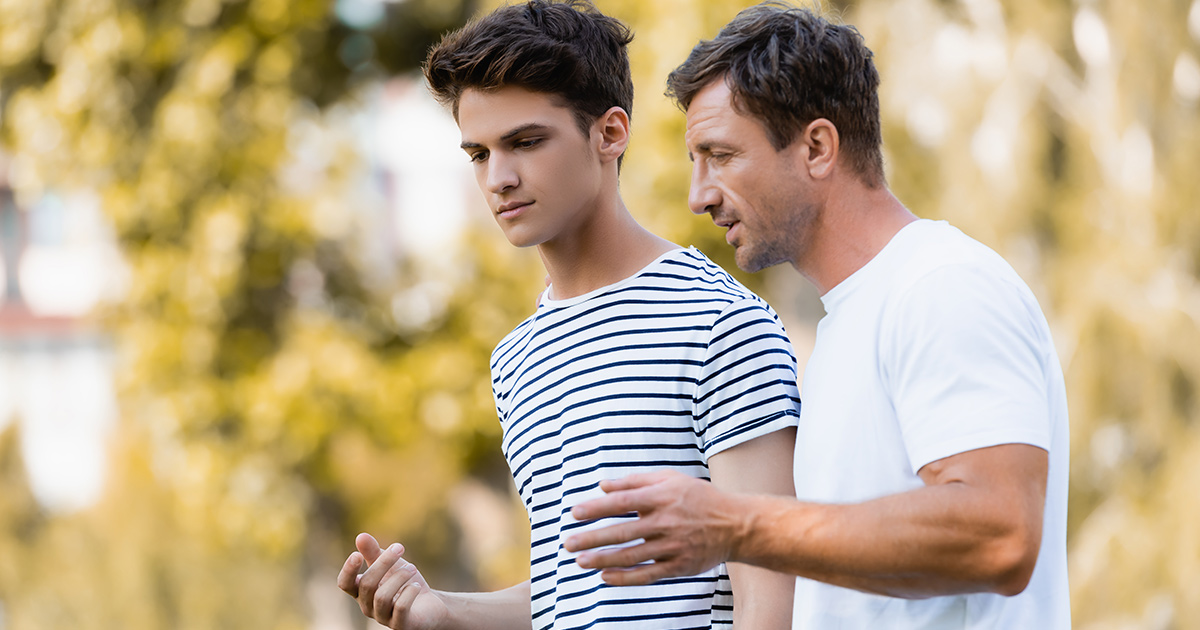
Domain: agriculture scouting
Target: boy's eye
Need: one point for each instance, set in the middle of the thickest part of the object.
(528, 143)
(479, 156)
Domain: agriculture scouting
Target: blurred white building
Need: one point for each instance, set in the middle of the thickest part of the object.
(58, 260)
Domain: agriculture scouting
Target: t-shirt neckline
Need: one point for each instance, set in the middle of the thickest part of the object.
(548, 302)
(838, 293)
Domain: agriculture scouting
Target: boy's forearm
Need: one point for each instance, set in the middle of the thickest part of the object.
(508, 609)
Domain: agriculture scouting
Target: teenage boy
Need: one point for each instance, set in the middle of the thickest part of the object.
(642, 356)
(931, 461)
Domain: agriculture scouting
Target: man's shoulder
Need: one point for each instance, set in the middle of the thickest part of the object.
(941, 255)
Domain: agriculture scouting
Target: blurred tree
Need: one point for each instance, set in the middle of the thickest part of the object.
(1064, 135)
(259, 433)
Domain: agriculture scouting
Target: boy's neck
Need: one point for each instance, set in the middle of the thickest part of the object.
(604, 249)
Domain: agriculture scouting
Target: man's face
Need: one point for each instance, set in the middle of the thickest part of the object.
(539, 174)
(757, 193)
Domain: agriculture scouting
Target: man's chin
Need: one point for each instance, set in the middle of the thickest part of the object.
(751, 262)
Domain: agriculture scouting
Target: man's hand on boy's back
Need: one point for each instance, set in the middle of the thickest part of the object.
(391, 590)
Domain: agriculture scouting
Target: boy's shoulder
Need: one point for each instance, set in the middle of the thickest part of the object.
(679, 282)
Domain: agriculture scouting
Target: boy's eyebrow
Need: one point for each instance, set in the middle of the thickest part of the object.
(509, 135)
(523, 129)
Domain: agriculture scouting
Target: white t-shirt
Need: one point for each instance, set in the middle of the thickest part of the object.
(933, 348)
(662, 370)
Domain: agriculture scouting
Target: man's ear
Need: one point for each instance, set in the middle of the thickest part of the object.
(819, 148)
(613, 126)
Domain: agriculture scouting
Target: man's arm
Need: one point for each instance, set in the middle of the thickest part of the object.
(392, 592)
(975, 527)
(762, 598)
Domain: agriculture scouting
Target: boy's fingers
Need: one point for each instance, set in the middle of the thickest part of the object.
(347, 579)
(404, 600)
(368, 547)
(370, 580)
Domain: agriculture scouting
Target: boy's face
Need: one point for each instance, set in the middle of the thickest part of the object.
(539, 174)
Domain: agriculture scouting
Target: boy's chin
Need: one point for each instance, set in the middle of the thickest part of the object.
(518, 238)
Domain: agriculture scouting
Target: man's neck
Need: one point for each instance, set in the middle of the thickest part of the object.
(604, 249)
(854, 227)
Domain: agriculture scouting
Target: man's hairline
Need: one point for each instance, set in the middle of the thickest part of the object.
(740, 109)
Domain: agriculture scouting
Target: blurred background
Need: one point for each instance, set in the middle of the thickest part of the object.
(248, 288)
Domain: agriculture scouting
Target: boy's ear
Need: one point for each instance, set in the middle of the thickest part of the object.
(613, 126)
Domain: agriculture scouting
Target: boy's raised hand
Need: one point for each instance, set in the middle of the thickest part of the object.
(391, 590)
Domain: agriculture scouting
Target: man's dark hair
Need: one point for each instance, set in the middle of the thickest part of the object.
(787, 67)
(567, 49)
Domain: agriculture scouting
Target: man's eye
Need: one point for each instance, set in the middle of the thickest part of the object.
(527, 144)
(479, 156)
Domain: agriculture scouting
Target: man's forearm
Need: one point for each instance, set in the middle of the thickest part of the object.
(975, 526)
(508, 609)
(927, 542)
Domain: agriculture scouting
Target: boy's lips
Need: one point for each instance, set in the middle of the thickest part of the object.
(511, 209)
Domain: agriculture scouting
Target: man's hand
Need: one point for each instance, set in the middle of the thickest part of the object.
(687, 526)
(391, 591)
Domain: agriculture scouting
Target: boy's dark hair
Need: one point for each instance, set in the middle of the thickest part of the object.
(568, 49)
(787, 67)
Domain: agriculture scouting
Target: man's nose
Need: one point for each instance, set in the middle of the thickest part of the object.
(703, 196)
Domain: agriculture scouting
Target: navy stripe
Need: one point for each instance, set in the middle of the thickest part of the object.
(613, 431)
(535, 422)
(515, 455)
(594, 384)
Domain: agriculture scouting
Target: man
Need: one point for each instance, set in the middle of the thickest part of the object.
(641, 356)
(931, 456)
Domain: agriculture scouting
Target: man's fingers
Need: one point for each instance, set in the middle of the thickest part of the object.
(628, 494)
(616, 504)
(639, 480)
(347, 579)
(627, 557)
(638, 576)
(606, 536)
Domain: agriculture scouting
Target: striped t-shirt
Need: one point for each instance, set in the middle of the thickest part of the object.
(661, 370)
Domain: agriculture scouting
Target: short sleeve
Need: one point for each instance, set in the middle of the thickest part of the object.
(963, 357)
(747, 386)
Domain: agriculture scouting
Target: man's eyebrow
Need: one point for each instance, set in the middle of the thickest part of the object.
(509, 135)
(707, 147)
